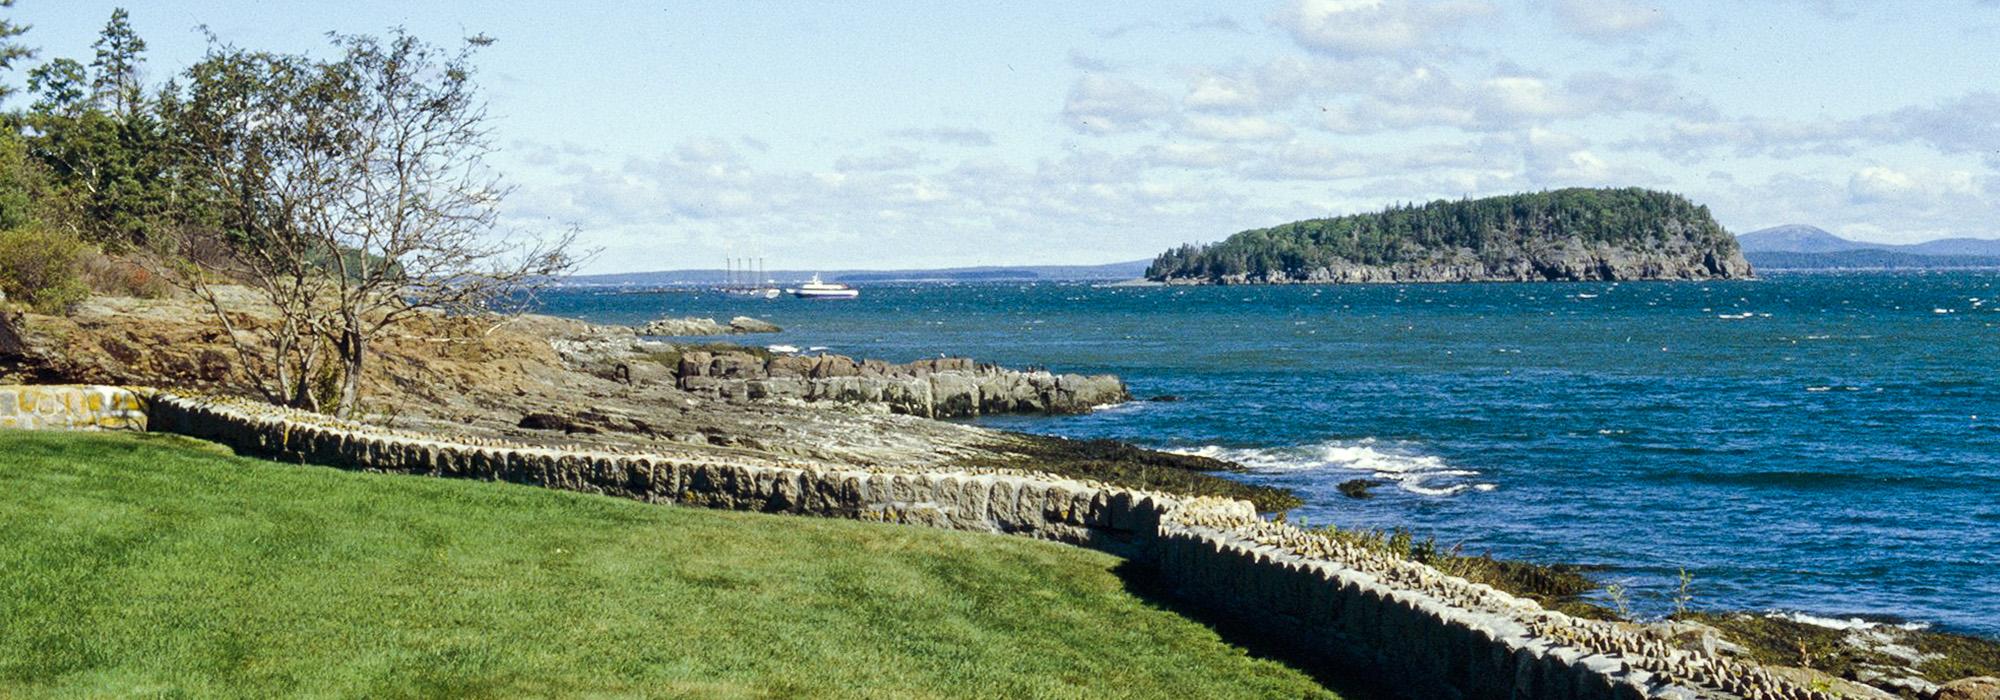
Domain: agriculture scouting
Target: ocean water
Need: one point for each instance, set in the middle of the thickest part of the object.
(1827, 444)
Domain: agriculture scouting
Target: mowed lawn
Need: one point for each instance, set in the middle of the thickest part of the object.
(146, 565)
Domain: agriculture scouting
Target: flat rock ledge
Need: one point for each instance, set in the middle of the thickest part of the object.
(953, 387)
(694, 326)
(1429, 634)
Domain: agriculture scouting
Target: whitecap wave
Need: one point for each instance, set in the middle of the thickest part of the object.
(1400, 463)
(1852, 623)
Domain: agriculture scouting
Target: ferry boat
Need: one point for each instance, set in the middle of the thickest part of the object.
(824, 290)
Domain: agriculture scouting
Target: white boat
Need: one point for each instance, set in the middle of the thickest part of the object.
(824, 290)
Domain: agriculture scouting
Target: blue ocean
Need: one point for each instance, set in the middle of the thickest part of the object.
(1826, 444)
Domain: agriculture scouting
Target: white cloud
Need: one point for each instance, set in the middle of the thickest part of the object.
(1213, 128)
(1611, 20)
(701, 200)
(1275, 85)
(947, 135)
(1516, 96)
(1912, 186)
(1100, 104)
(891, 158)
(1201, 156)
(1225, 93)
(1219, 23)
(1374, 27)
(1427, 96)
(1969, 124)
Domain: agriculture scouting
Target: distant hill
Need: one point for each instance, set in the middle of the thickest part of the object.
(1869, 259)
(1801, 247)
(1568, 234)
(1022, 273)
(1795, 238)
(1986, 247)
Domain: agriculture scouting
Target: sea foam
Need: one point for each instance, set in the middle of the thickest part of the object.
(1400, 463)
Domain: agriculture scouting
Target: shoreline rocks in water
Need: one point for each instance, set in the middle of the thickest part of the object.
(941, 388)
(1358, 488)
(691, 326)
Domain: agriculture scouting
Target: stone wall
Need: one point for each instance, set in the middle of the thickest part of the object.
(1075, 512)
(69, 407)
(1422, 633)
(1428, 634)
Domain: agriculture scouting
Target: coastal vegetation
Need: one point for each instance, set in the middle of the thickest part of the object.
(1785, 641)
(1877, 654)
(347, 194)
(1560, 587)
(1577, 233)
(146, 564)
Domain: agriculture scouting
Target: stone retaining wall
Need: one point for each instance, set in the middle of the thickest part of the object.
(1094, 515)
(1420, 632)
(70, 407)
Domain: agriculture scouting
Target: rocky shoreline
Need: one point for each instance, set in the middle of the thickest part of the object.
(545, 380)
(538, 380)
(941, 388)
(1573, 263)
(697, 326)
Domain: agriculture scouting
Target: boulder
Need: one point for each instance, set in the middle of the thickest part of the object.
(692, 326)
(835, 366)
(1975, 688)
(694, 364)
(954, 395)
(683, 326)
(797, 366)
(551, 421)
(746, 324)
(1358, 488)
(737, 365)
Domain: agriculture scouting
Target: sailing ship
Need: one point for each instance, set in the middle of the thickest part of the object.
(747, 279)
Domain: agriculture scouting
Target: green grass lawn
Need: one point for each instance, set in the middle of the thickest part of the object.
(158, 566)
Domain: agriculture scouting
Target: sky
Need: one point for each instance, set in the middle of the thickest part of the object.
(825, 135)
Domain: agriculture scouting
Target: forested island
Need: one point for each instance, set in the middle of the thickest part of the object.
(1567, 234)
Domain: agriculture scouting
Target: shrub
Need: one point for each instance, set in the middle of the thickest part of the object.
(122, 276)
(41, 267)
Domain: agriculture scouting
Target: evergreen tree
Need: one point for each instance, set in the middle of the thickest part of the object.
(116, 87)
(11, 50)
(61, 86)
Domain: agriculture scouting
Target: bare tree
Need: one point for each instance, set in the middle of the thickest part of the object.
(354, 195)
(260, 150)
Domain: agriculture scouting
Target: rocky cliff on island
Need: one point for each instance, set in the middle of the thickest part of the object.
(1570, 234)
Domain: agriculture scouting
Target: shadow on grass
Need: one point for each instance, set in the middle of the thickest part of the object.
(1258, 638)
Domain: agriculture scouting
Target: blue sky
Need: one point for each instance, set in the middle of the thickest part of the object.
(903, 134)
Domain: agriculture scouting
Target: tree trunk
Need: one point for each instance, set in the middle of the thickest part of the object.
(353, 349)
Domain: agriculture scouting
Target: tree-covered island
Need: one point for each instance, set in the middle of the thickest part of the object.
(1568, 234)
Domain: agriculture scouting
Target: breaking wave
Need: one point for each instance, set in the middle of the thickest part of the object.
(1398, 463)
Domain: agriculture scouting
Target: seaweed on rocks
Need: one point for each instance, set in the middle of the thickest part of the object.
(1882, 655)
(1559, 587)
